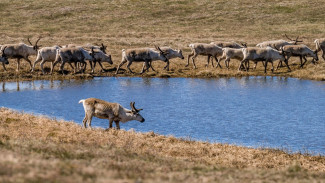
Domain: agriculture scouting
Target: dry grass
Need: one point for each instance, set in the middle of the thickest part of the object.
(39, 149)
(133, 23)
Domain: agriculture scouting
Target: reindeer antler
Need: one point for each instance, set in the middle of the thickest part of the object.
(29, 41)
(133, 107)
(37, 41)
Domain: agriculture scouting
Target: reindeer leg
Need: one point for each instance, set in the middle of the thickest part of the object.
(206, 65)
(147, 67)
(84, 121)
(167, 66)
(150, 66)
(101, 66)
(117, 125)
(218, 62)
(30, 63)
(122, 63)
(188, 58)
(36, 61)
(286, 62)
(265, 66)
(241, 65)
(42, 63)
(18, 63)
(302, 64)
(92, 67)
(193, 62)
(128, 66)
(272, 69)
(110, 123)
(4, 67)
(227, 62)
(61, 67)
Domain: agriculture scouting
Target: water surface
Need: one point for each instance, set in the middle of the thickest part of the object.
(251, 111)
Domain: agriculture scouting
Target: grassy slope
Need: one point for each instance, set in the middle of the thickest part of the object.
(38, 149)
(133, 23)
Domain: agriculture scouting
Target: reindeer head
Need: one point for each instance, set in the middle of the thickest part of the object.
(35, 47)
(135, 112)
(163, 53)
(315, 57)
(293, 41)
(244, 45)
(3, 57)
(180, 54)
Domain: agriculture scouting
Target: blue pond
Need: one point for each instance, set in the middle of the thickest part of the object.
(274, 112)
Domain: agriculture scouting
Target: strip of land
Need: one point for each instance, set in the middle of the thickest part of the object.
(133, 24)
(41, 149)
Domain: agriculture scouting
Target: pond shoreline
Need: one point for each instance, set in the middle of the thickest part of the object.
(180, 73)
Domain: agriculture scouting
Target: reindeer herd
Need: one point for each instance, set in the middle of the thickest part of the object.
(265, 52)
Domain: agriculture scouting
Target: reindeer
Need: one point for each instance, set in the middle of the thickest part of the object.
(46, 54)
(100, 56)
(263, 54)
(320, 45)
(88, 47)
(111, 111)
(72, 55)
(229, 53)
(210, 50)
(4, 58)
(301, 51)
(171, 53)
(20, 51)
(279, 43)
(224, 44)
(145, 55)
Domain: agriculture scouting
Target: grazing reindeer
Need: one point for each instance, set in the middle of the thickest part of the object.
(145, 55)
(100, 56)
(210, 50)
(171, 53)
(20, 51)
(320, 45)
(111, 111)
(263, 54)
(301, 51)
(4, 58)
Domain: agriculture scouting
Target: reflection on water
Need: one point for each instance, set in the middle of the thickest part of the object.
(251, 111)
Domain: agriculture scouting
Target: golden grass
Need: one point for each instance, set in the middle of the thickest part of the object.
(40, 149)
(133, 23)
